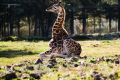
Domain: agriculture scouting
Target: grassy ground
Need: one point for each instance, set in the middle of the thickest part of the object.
(13, 52)
(101, 57)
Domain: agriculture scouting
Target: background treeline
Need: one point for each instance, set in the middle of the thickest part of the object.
(28, 18)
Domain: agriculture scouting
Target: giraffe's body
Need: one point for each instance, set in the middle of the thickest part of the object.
(58, 31)
(60, 44)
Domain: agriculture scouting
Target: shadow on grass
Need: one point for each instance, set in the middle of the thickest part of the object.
(13, 53)
(95, 36)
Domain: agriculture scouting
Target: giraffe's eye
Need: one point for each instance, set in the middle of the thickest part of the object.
(55, 8)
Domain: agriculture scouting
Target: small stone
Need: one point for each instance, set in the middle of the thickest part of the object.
(76, 65)
(116, 75)
(64, 65)
(111, 76)
(38, 61)
(85, 57)
(35, 75)
(95, 45)
(117, 62)
(108, 60)
(8, 67)
(19, 65)
(30, 67)
(97, 77)
(25, 76)
(10, 75)
(50, 65)
(53, 61)
(94, 73)
(74, 59)
(92, 61)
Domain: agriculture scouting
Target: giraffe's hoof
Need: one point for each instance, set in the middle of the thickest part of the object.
(39, 61)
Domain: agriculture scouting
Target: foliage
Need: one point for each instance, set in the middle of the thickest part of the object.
(30, 19)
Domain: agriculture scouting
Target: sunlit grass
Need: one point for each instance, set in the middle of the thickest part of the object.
(89, 48)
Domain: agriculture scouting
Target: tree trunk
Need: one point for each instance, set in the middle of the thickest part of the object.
(0, 28)
(11, 26)
(35, 27)
(72, 22)
(10, 16)
(4, 26)
(110, 20)
(47, 25)
(2, 33)
(119, 16)
(18, 27)
(100, 22)
(94, 20)
(84, 22)
(29, 25)
(43, 23)
(39, 27)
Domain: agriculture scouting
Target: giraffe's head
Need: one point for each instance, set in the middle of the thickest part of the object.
(55, 8)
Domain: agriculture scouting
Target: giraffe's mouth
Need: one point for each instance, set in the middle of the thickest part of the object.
(47, 10)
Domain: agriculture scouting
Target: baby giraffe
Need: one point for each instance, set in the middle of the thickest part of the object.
(60, 44)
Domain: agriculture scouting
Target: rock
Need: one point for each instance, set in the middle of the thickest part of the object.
(38, 61)
(76, 65)
(95, 45)
(30, 67)
(8, 67)
(117, 62)
(116, 75)
(97, 76)
(93, 61)
(64, 65)
(35, 75)
(19, 65)
(25, 76)
(74, 59)
(10, 75)
(53, 61)
(111, 76)
(85, 57)
(82, 63)
(50, 65)
(94, 73)
(108, 60)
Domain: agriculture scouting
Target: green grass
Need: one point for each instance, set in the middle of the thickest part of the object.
(14, 52)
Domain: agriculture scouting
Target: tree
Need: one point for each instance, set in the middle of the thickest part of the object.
(119, 15)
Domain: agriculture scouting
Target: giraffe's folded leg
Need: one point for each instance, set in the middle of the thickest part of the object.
(48, 53)
(45, 54)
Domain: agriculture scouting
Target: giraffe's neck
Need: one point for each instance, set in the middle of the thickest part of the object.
(59, 23)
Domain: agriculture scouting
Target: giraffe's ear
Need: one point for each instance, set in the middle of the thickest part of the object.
(60, 3)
